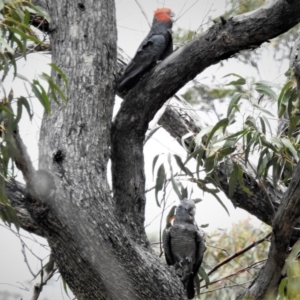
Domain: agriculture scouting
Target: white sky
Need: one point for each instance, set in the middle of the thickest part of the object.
(132, 28)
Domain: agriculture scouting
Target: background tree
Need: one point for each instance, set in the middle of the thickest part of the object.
(97, 238)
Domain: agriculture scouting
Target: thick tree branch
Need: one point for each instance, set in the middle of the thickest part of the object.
(88, 243)
(16, 193)
(284, 222)
(220, 42)
(179, 119)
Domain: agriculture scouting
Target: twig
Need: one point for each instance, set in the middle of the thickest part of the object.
(226, 286)
(162, 215)
(223, 249)
(152, 131)
(158, 215)
(169, 179)
(186, 11)
(143, 12)
(24, 288)
(238, 253)
(237, 272)
(22, 159)
(32, 238)
(34, 48)
(25, 257)
(39, 286)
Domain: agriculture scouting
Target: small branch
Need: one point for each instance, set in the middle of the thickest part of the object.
(237, 272)
(149, 136)
(22, 159)
(39, 286)
(39, 22)
(34, 48)
(162, 215)
(16, 192)
(25, 257)
(225, 287)
(238, 253)
(143, 12)
(169, 179)
(24, 288)
(158, 215)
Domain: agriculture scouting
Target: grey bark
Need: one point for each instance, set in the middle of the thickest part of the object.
(284, 222)
(16, 193)
(98, 241)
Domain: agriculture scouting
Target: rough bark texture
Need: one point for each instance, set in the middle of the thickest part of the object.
(98, 241)
(16, 193)
(284, 222)
(94, 253)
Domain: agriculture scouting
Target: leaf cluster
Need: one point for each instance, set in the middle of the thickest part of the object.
(230, 279)
(16, 34)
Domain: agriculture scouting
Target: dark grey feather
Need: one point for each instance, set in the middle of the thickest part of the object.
(184, 245)
(155, 47)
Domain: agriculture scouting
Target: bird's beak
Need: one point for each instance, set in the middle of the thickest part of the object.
(192, 213)
(172, 15)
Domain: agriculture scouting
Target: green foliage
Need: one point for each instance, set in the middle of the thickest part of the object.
(242, 137)
(205, 94)
(289, 288)
(160, 181)
(181, 36)
(279, 154)
(228, 280)
(16, 36)
(239, 7)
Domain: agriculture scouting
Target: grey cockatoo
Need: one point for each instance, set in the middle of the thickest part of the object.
(155, 47)
(184, 245)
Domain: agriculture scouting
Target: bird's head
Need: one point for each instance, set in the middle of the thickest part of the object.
(164, 15)
(186, 211)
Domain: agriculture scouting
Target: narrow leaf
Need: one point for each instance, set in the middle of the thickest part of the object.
(160, 180)
(233, 102)
(182, 166)
(233, 180)
(221, 124)
(204, 275)
(292, 149)
(154, 163)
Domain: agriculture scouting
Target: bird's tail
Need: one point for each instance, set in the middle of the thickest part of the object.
(190, 289)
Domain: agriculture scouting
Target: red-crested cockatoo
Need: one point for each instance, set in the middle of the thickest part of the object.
(155, 47)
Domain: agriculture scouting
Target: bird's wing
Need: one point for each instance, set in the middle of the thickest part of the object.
(169, 47)
(200, 249)
(147, 55)
(167, 246)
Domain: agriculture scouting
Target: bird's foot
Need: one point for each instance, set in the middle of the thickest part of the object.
(188, 259)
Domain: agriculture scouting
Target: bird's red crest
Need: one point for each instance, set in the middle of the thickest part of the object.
(163, 14)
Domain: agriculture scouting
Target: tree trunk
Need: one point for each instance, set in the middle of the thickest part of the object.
(94, 253)
(98, 239)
